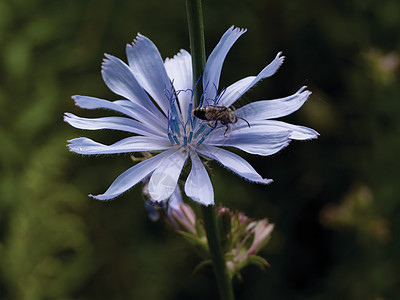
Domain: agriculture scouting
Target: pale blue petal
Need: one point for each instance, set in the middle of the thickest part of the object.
(297, 132)
(254, 140)
(212, 70)
(159, 123)
(198, 184)
(147, 65)
(175, 200)
(132, 176)
(164, 179)
(126, 107)
(236, 90)
(114, 123)
(269, 109)
(131, 144)
(179, 70)
(233, 92)
(120, 79)
(233, 162)
(268, 70)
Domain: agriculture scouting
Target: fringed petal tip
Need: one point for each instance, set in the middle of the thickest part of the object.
(75, 146)
(316, 135)
(279, 55)
(77, 100)
(313, 134)
(263, 181)
(107, 60)
(66, 116)
(100, 198)
(302, 89)
(159, 202)
(199, 200)
(106, 57)
(204, 204)
(237, 29)
(280, 58)
(306, 134)
(71, 147)
(306, 93)
(106, 197)
(256, 179)
(85, 102)
(139, 37)
(179, 55)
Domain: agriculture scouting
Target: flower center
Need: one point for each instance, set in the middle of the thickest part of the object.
(183, 132)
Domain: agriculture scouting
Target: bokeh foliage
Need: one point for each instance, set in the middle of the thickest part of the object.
(334, 201)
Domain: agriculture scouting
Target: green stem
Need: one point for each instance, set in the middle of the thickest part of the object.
(198, 52)
(216, 252)
(197, 45)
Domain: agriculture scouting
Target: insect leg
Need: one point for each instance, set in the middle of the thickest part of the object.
(227, 128)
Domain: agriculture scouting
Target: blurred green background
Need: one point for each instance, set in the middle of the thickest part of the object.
(335, 200)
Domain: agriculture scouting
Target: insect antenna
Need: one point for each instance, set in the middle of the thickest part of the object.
(244, 120)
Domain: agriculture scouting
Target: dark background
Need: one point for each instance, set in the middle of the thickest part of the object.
(334, 201)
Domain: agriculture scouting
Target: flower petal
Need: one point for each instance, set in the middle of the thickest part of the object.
(179, 70)
(255, 141)
(115, 123)
(236, 90)
(229, 95)
(120, 79)
(132, 176)
(198, 184)
(269, 109)
(233, 162)
(125, 107)
(175, 200)
(164, 179)
(212, 70)
(147, 65)
(297, 132)
(131, 144)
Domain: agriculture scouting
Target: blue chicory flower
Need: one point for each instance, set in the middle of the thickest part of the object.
(157, 109)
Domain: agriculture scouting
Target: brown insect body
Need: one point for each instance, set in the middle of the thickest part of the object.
(217, 113)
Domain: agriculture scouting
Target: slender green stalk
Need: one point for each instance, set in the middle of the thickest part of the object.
(197, 45)
(217, 255)
(197, 49)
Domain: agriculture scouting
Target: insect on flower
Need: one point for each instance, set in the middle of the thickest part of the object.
(159, 116)
(215, 113)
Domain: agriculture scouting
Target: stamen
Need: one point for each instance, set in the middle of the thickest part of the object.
(200, 141)
(205, 135)
(194, 122)
(185, 141)
(216, 100)
(202, 97)
(184, 136)
(170, 138)
(169, 130)
(190, 109)
(201, 129)
(175, 126)
(176, 140)
(190, 137)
